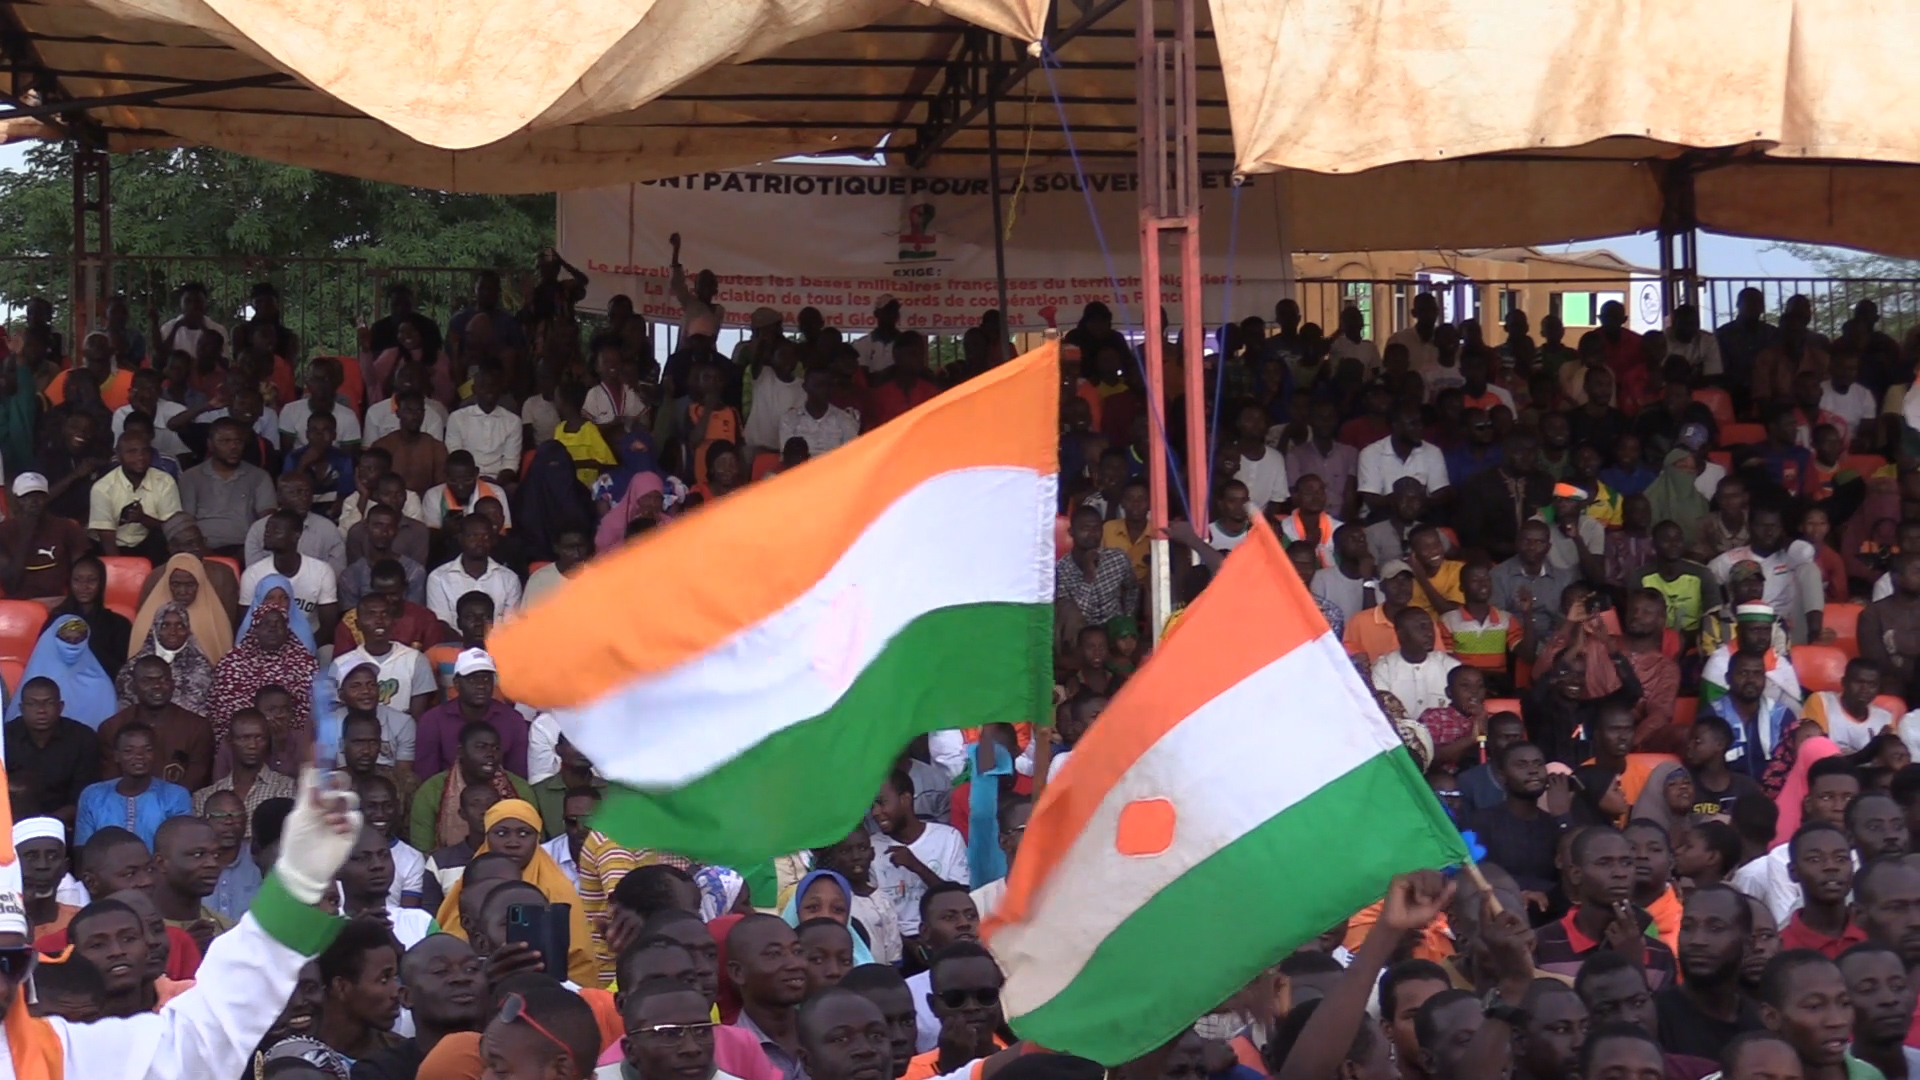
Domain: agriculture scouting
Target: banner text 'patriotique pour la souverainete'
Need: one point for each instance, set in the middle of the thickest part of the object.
(839, 237)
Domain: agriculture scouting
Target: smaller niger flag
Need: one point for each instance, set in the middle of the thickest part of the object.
(1242, 794)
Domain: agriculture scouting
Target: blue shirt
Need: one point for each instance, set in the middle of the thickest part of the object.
(101, 806)
(1753, 743)
(238, 884)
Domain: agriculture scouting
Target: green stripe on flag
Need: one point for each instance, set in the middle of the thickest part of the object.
(1208, 933)
(810, 784)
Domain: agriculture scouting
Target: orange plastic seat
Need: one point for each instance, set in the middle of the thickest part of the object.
(764, 462)
(125, 575)
(1893, 703)
(1685, 709)
(1503, 704)
(1742, 434)
(20, 624)
(227, 561)
(1718, 402)
(1819, 667)
(12, 671)
(1721, 458)
(1844, 620)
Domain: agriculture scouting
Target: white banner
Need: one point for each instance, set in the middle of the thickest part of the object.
(836, 237)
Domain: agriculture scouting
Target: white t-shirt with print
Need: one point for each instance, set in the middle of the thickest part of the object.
(941, 848)
(313, 585)
(404, 672)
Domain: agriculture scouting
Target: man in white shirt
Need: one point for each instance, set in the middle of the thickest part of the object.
(1845, 398)
(1350, 344)
(183, 330)
(315, 587)
(911, 854)
(319, 537)
(1262, 468)
(143, 395)
(776, 392)
(382, 419)
(406, 676)
(1414, 673)
(1793, 587)
(820, 424)
(876, 348)
(473, 571)
(1684, 339)
(323, 383)
(380, 802)
(1403, 453)
(1422, 354)
(487, 431)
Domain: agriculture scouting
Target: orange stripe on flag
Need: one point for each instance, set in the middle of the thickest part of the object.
(1255, 612)
(682, 590)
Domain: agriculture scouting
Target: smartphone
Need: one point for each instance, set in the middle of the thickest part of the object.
(544, 927)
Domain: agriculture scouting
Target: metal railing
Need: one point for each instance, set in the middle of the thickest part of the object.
(321, 300)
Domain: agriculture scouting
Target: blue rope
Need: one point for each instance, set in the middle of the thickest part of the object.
(1226, 313)
(1049, 61)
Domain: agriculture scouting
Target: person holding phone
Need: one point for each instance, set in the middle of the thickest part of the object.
(512, 828)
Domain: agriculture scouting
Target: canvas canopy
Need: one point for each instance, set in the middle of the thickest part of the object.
(1446, 124)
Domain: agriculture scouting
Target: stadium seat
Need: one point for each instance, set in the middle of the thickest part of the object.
(125, 575)
(12, 670)
(1685, 709)
(1819, 667)
(1742, 434)
(765, 462)
(1717, 402)
(228, 561)
(1864, 464)
(1844, 621)
(20, 624)
(1893, 703)
(1503, 704)
(1721, 458)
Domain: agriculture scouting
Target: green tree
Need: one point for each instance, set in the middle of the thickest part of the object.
(1890, 282)
(326, 241)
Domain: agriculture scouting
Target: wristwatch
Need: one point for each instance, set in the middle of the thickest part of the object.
(1495, 1009)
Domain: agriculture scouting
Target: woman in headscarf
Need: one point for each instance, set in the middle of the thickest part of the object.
(645, 498)
(551, 500)
(1798, 755)
(1598, 798)
(109, 634)
(63, 655)
(171, 639)
(513, 830)
(824, 894)
(852, 859)
(277, 588)
(268, 655)
(720, 890)
(1667, 797)
(187, 585)
(1672, 494)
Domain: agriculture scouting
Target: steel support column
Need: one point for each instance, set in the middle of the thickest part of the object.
(1170, 209)
(1678, 237)
(91, 283)
(999, 227)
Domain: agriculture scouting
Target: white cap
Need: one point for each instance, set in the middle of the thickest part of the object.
(472, 661)
(29, 482)
(38, 828)
(880, 303)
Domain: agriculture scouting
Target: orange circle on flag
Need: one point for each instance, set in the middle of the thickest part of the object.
(1145, 827)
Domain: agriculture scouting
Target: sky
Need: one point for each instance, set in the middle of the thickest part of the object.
(1720, 256)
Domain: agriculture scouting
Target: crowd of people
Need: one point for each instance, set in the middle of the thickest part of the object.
(1582, 594)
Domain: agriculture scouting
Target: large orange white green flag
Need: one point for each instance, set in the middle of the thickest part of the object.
(1242, 794)
(745, 677)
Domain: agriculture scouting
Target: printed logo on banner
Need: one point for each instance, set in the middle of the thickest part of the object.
(917, 238)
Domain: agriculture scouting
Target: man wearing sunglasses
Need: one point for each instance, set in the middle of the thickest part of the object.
(966, 1001)
(670, 1034)
(211, 1030)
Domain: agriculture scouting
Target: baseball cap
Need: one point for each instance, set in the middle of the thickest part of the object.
(882, 301)
(1693, 436)
(763, 316)
(1394, 568)
(1746, 570)
(29, 482)
(473, 660)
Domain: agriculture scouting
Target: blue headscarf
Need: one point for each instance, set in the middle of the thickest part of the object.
(86, 690)
(861, 953)
(986, 862)
(296, 619)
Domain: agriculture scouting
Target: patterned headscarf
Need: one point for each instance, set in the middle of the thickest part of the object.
(250, 666)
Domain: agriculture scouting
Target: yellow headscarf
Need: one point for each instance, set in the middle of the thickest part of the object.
(206, 616)
(543, 874)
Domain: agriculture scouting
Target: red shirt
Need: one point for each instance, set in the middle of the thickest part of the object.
(890, 401)
(1798, 935)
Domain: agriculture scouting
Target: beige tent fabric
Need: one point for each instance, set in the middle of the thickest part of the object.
(459, 74)
(1347, 85)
